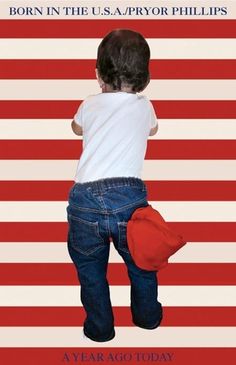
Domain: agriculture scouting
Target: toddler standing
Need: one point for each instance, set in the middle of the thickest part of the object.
(108, 187)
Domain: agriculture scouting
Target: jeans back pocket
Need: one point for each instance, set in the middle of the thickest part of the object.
(84, 235)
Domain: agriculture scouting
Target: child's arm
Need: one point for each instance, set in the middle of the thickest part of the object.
(77, 129)
(153, 121)
(77, 123)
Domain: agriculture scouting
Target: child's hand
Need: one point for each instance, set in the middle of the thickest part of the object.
(153, 130)
(77, 129)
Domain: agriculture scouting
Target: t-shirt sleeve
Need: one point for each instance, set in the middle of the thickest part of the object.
(78, 117)
(153, 117)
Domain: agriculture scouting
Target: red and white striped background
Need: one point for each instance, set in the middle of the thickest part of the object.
(46, 69)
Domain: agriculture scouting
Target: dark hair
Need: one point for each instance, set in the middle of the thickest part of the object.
(123, 60)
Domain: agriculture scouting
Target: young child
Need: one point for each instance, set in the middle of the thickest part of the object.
(108, 187)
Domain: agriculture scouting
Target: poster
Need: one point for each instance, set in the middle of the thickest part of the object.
(47, 61)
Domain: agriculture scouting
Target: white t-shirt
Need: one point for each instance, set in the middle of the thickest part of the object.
(115, 127)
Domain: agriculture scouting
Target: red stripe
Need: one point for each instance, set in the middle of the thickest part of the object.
(74, 316)
(57, 232)
(157, 190)
(84, 69)
(47, 69)
(58, 356)
(159, 149)
(34, 190)
(166, 109)
(195, 109)
(65, 274)
(35, 232)
(206, 231)
(98, 28)
(40, 149)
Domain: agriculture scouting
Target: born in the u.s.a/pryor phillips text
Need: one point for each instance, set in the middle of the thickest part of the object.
(137, 11)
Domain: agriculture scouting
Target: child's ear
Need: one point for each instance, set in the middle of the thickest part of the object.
(96, 72)
(100, 81)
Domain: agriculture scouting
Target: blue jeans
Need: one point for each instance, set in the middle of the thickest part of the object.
(99, 210)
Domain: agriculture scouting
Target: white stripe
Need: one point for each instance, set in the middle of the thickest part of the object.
(176, 211)
(37, 129)
(79, 89)
(56, 252)
(189, 170)
(168, 129)
(206, 252)
(166, 48)
(169, 295)
(134, 337)
(196, 129)
(152, 170)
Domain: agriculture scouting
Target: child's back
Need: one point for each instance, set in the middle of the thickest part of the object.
(115, 127)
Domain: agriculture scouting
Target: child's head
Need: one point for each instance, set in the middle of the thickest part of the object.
(123, 60)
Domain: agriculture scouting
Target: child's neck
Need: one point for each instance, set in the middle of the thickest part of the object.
(108, 89)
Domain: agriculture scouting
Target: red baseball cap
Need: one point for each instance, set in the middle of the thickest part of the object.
(150, 240)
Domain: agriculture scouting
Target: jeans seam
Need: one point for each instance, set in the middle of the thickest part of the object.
(102, 211)
(100, 198)
(84, 209)
(86, 253)
(95, 224)
(121, 224)
(95, 191)
(120, 186)
(129, 205)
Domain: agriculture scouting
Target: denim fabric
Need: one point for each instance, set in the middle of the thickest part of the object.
(99, 210)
